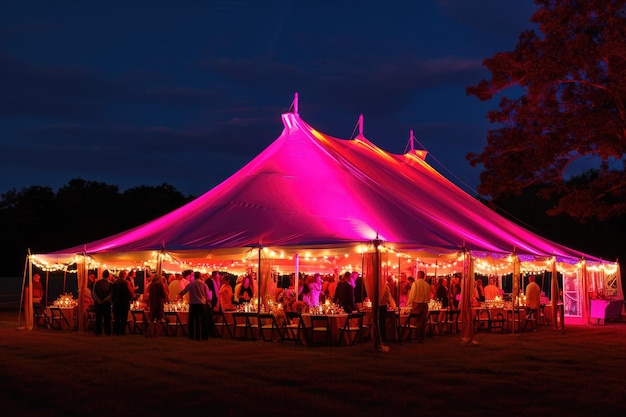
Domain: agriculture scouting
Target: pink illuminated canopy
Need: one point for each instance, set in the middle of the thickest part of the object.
(311, 189)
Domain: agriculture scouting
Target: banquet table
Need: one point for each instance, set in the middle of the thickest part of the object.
(62, 317)
(335, 321)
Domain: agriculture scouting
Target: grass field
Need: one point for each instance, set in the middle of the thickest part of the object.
(62, 373)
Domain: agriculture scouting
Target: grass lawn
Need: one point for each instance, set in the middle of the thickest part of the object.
(581, 372)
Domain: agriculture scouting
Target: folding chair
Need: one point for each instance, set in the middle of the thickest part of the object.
(221, 325)
(531, 317)
(352, 328)
(268, 323)
(496, 322)
(172, 323)
(320, 324)
(91, 317)
(482, 321)
(140, 321)
(241, 322)
(57, 319)
(409, 327)
(40, 317)
(293, 327)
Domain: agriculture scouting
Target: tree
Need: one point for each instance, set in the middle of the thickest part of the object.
(570, 105)
(80, 212)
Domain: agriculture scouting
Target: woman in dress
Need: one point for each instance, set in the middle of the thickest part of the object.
(157, 295)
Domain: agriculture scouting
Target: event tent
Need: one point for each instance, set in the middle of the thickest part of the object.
(313, 201)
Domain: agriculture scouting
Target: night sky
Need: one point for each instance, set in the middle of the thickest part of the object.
(143, 93)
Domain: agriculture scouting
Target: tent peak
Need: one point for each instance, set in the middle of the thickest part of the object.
(410, 147)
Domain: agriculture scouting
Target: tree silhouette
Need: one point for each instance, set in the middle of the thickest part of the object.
(569, 105)
(80, 212)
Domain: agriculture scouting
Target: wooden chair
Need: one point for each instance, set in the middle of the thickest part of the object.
(140, 321)
(222, 326)
(409, 328)
(242, 323)
(40, 317)
(268, 323)
(482, 321)
(496, 322)
(172, 324)
(293, 327)
(352, 329)
(91, 317)
(57, 319)
(320, 325)
(450, 323)
(531, 318)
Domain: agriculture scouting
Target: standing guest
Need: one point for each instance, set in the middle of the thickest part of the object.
(359, 288)
(245, 293)
(344, 294)
(176, 286)
(331, 286)
(102, 302)
(312, 297)
(37, 291)
(132, 274)
(480, 290)
(122, 293)
(226, 295)
(441, 293)
(533, 299)
(455, 292)
(214, 284)
(157, 295)
(199, 300)
(491, 290)
(418, 300)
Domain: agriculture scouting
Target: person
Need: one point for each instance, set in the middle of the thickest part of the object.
(226, 295)
(491, 290)
(360, 294)
(132, 274)
(455, 292)
(480, 290)
(157, 295)
(312, 298)
(329, 291)
(418, 299)
(122, 293)
(214, 282)
(441, 293)
(245, 293)
(87, 299)
(199, 301)
(533, 299)
(37, 291)
(102, 302)
(176, 286)
(344, 293)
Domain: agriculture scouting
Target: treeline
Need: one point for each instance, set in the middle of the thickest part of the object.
(80, 212)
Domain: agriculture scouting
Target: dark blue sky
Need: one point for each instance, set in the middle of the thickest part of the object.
(185, 93)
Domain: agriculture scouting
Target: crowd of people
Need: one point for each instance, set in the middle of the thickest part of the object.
(111, 296)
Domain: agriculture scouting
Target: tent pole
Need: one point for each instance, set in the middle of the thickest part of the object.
(47, 287)
(22, 301)
(258, 300)
(297, 274)
(378, 343)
